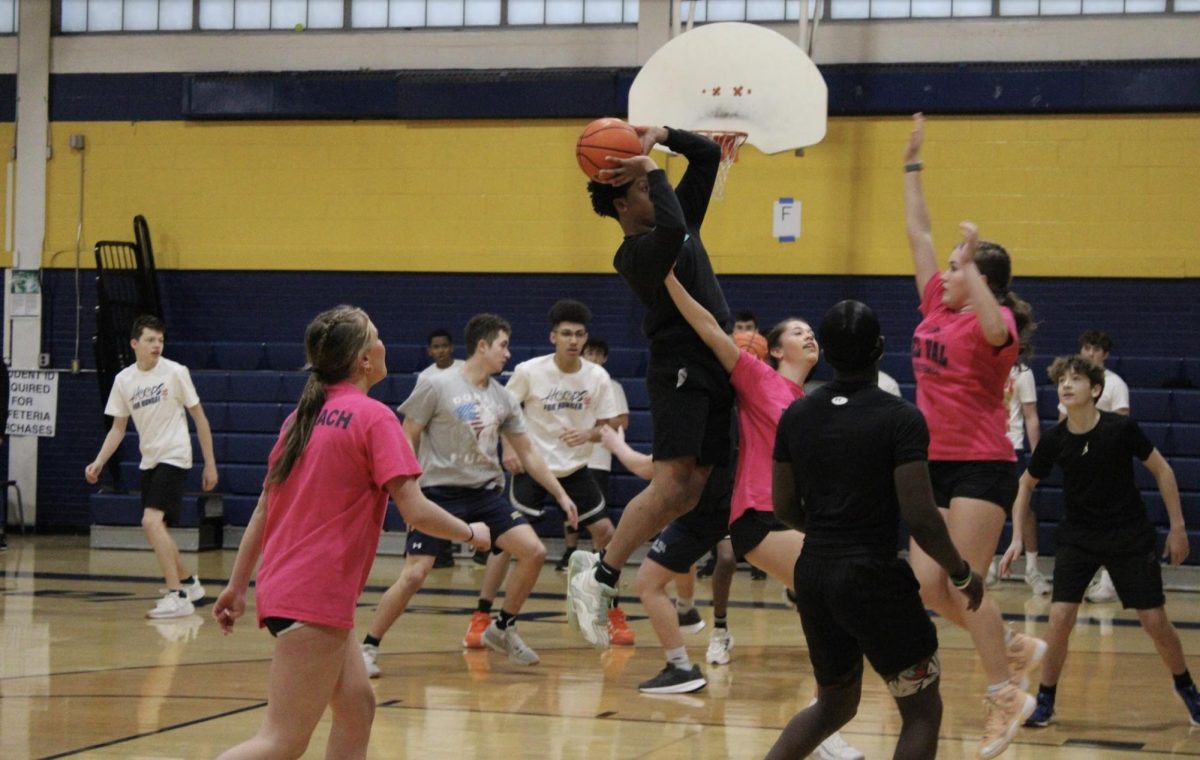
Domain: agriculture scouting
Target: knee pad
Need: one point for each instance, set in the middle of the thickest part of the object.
(916, 678)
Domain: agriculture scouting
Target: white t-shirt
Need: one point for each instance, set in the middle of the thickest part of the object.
(888, 383)
(555, 400)
(1114, 397)
(433, 369)
(601, 458)
(1018, 389)
(157, 401)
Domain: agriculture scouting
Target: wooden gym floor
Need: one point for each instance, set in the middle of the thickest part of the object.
(83, 673)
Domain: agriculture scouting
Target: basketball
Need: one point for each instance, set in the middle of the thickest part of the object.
(752, 342)
(602, 138)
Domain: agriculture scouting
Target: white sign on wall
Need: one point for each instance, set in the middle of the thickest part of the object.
(32, 402)
(786, 222)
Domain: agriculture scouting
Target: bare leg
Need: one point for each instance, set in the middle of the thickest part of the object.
(395, 600)
(776, 555)
(1062, 622)
(530, 552)
(685, 583)
(493, 576)
(602, 532)
(834, 708)
(974, 526)
(305, 670)
(353, 708)
(165, 549)
(652, 580)
(921, 717)
(722, 577)
(673, 491)
(1166, 639)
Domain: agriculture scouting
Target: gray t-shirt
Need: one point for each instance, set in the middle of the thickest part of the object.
(462, 423)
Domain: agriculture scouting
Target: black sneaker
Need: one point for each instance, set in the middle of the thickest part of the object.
(706, 570)
(480, 558)
(445, 559)
(1191, 698)
(3, 543)
(690, 621)
(756, 574)
(561, 565)
(673, 680)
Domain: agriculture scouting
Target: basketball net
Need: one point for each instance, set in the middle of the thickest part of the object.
(729, 142)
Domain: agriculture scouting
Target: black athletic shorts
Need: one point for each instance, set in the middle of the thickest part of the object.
(162, 489)
(601, 478)
(1137, 576)
(486, 505)
(853, 606)
(529, 498)
(749, 530)
(690, 403)
(986, 480)
(277, 626)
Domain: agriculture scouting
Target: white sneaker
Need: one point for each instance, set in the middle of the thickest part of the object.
(719, 645)
(836, 748)
(578, 562)
(588, 599)
(194, 590)
(993, 573)
(1038, 582)
(508, 642)
(370, 655)
(171, 605)
(1101, 589)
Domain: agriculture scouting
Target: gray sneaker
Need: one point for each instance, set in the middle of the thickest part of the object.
(588, 600)
(508, 642)
(673, 680)
(370, 655)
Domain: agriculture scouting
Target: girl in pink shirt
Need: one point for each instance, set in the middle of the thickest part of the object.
(339, 456)
(962, 352)
(763, 393)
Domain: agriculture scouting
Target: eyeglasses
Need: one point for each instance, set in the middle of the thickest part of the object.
(572, 334)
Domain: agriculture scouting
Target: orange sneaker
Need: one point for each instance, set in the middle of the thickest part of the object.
(479, 623)
(619, 634)
(1025, 653)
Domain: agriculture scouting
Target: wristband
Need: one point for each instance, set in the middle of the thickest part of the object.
(915, 166)
(965, 581)
(471, 537)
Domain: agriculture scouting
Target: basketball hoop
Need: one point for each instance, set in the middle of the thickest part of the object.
(730, 142)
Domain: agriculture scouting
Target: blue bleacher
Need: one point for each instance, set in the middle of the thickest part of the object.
(898, 365)
(1184, 441)
(635, 393)
(1152, 404)
(239, 355)
(1147, 371)
(285, 357)
(211, 386)
(626, 363)
(255, 386)
(255, 417)
(194, 356)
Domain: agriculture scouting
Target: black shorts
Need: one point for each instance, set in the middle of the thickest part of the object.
(749, 530)
(992, 481)
(855, 606)
(529, 498)
(690, 536)
(1137, 576)
(277, 626)
(690, 403)
(601, 478)
(486, 505)
(162, 489)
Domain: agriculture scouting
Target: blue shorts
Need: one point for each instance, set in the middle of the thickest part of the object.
(486, 505)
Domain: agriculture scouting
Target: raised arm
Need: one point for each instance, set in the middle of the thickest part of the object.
(916, 213)
(704, 323)
(983, 302)
(695, 188)
(928, 528)
(1176, 549)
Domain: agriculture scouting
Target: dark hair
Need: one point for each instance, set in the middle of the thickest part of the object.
(746, 316)
(776, 335)
(332, 344)
(146, 322)
(995, 264)
(849, 336)
(604, 195)
(484, 327)
(596, 344)
(1080, 365)
(1097, 338)
(439, 333)
(567, 310)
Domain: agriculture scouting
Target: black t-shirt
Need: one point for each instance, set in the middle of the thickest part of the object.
(644, 260)
(1102, 508)
(844, 442)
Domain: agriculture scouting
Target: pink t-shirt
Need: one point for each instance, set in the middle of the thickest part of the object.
(762, 396)
(960, 381)
(323, 522)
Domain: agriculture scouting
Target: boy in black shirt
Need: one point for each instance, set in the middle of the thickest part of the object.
(850, 461)
(690, 396)
(1104, 523)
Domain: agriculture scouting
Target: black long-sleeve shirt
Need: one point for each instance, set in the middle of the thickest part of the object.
(644, 260)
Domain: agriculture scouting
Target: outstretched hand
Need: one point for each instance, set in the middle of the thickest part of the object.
(628, 170)
(650, 136)
(970, 235)
(912, 153)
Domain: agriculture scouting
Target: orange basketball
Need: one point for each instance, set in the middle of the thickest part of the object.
(752, 342)
(603, 138)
